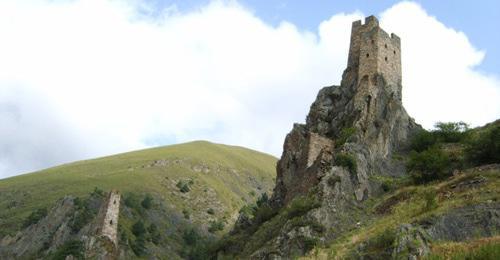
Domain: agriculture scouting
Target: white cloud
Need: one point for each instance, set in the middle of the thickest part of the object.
(81, 79)
(440, 77)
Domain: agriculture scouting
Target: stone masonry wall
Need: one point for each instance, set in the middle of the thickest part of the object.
(373, 51)
(108, 217)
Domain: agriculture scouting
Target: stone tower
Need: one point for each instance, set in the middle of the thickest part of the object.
(108, 216)
(373, 52)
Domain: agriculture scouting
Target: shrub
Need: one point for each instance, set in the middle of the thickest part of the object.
(147, 202)
(215, 226)
(190, 237)
(484, 148)
(262, 199)
(97, 192)
(155, 234)
(429, 165)
(71, 247)
(451, 132)
(35, 216)
(138, 229)
(301, 205)
(139, 246)
(264, 213)
(183, 186)
(211, 211)
(186, 213)
(430, 198)
(345, 135)
(346, 160)
(133, 201)
(333, 180)
(81, 218)
(423, 140)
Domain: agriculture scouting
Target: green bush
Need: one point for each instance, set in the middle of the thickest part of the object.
(262, 199)
(138, 228)
(71, 247)
(346, 160)
(345, 135)
(147, 202)
(34, 217)
(191, 237)
(132, 201)
(484, 148)
(211, 211)
(186, 213)
(139, 246)
(301, 205)
(430, 198)
(183, 186)
(81, 218)
(215, 226)
(429, 165)
(263, 214)
(154, 233)
(423, 140)
(451, 132)
(333, 180)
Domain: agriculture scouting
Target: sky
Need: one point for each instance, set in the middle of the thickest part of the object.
(81, 79)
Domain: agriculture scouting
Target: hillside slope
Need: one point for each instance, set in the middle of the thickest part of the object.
(200, 183)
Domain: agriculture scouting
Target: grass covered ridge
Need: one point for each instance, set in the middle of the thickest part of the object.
(220, 177)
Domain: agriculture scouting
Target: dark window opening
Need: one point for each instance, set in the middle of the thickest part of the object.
(373, 41)
(114, 202)
(385, 58)
(394, 52)
(367, 55)
(111, 222)
(368, 103)
(385, 46)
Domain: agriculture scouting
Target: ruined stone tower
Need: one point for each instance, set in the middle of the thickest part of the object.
(103, 243)
(108, 217)
(373, 52)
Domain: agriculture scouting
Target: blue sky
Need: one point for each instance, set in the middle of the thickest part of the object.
(480, 20)
(86, 78)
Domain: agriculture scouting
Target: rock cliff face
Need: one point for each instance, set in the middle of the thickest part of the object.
(351, 133)
(55, 230)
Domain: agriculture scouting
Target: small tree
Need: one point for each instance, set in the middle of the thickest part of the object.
(138, 229)
(429, 165)
(451, 132)
(147, 202)
(484, 148)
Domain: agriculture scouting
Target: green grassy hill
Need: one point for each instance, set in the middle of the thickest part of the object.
(193, 178)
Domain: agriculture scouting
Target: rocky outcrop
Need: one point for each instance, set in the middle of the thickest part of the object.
(64, 223)
(465, 223)
(351, 134)
(46, 235)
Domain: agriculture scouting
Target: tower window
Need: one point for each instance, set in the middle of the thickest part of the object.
(385, 46)
(385, 58)
(367, 55)
(394, 52)
(111, 222)
(373, 41)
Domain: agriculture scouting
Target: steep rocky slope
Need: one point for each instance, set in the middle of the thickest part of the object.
(335, 168)
(178, 193)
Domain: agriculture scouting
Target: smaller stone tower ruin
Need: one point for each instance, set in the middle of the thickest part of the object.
(107, 224)
(374, 52)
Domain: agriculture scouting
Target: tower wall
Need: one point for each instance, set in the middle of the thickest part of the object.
(108, 216)
(375, 52)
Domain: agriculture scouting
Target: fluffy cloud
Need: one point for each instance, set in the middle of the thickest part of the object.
(81, 79)
(440, 79)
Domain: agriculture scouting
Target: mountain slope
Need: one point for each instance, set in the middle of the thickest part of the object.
(218, 179)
